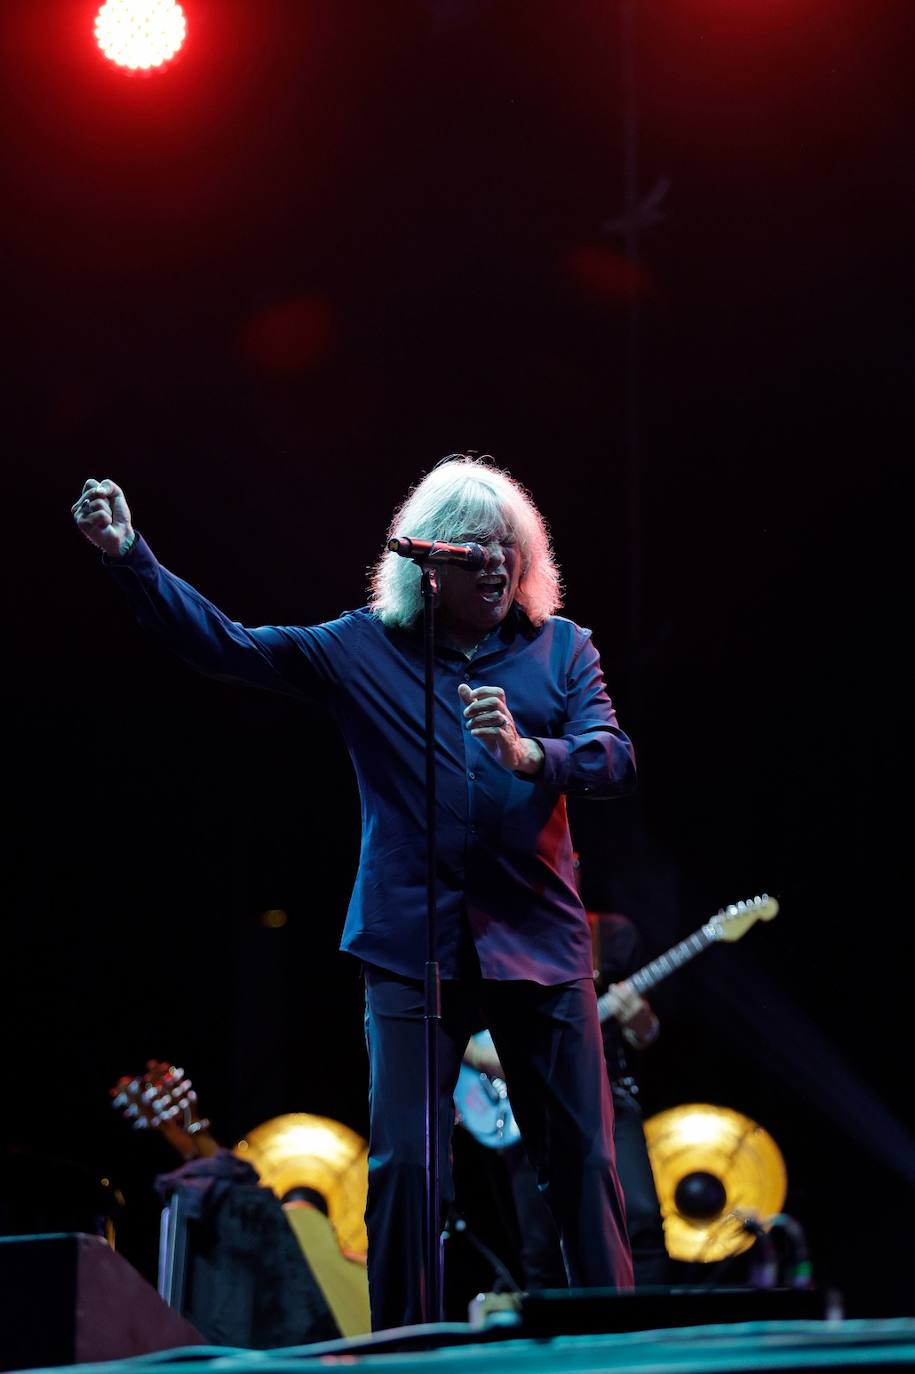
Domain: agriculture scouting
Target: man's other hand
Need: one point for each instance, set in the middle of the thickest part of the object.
(487, 717)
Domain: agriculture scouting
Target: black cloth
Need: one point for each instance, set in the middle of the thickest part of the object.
(247, 1282)
(203, 1183)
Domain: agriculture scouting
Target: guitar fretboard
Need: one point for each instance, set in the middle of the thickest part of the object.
(666, 963)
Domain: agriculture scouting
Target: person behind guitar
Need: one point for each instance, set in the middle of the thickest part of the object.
(523, 718)
(633, 1024)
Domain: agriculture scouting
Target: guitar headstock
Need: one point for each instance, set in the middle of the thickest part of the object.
(735, 920)
(162, 1099)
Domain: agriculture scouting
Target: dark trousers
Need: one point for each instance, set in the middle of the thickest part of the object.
(549, 1043)
(541, 1257)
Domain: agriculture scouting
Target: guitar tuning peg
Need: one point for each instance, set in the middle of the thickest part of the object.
(131, 1110)
(177, 1073)
(141, 1124)
(119, 1100)
(148, 1094)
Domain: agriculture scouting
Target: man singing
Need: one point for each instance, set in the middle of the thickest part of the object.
(522, 719)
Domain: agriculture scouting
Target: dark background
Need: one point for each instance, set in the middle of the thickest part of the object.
(268, 287)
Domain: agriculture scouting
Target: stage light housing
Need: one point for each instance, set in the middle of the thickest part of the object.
(140, 35)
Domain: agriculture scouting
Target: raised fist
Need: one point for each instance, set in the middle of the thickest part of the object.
(102, 515)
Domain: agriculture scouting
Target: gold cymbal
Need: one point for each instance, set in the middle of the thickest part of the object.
(304, 1151)
(711, 1165)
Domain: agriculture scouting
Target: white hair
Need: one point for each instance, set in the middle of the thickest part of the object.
(460, 497)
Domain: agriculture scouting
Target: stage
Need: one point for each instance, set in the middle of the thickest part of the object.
(70, 1302)
(454, 1349)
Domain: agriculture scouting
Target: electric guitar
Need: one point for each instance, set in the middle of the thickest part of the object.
(482, 1103)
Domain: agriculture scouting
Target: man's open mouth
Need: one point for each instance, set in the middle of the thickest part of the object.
(492, 587)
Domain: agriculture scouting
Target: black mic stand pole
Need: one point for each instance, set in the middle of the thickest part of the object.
(432, 1293)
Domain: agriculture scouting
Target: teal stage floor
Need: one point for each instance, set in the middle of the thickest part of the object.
(719, 1349)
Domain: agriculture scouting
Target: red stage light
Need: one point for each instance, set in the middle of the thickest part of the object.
(140, 34)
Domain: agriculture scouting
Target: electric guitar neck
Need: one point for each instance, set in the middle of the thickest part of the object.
(729, 925)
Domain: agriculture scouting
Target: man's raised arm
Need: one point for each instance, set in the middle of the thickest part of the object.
(297, 661)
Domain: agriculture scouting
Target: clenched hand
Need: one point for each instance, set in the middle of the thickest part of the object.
(487, 717)
(103, 516)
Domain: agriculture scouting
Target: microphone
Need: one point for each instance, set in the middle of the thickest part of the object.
(469, 556)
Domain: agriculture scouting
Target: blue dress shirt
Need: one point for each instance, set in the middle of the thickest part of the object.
(504, 871)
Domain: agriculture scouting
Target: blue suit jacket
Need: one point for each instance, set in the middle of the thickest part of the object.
(504, 868)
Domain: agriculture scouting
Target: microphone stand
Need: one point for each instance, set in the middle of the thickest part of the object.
(432, 1294)
(425, 553)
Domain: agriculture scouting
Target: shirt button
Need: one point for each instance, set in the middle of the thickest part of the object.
(471, 775)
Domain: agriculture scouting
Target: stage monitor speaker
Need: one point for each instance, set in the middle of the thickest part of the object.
(69, 1299)
(596, 1311)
